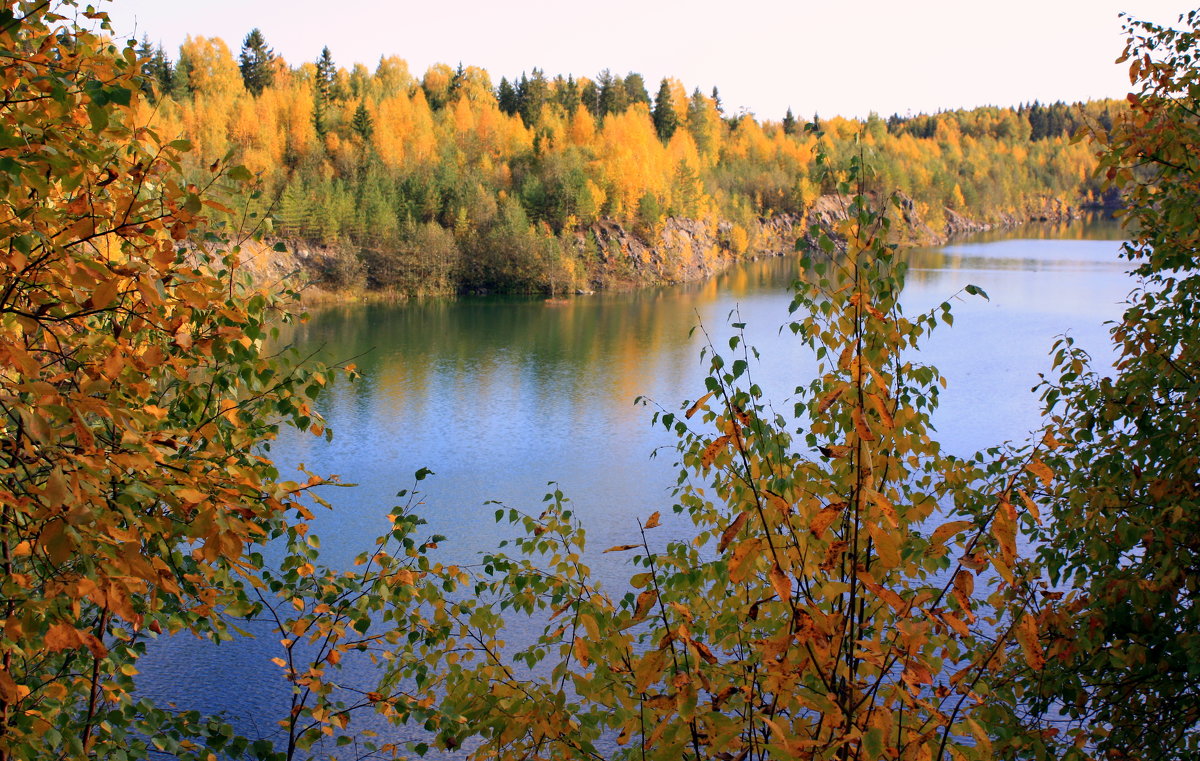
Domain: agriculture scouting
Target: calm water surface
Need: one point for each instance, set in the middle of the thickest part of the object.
(500, 396)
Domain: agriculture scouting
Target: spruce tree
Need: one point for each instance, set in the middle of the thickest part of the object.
(363, 124)
(613, 99)
(255, 63)
(323, 91)
(506, 97)
(665, 119)
(789, 123)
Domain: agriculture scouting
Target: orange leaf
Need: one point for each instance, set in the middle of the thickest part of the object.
(1004, 528)
(710, 452)
(581, 651)
(1031, 506)
(860, 425)
(830, 398)
(732, 530)
(778, 502)
(1027, 635)
(622, 548)
(824, 519)
(779, 580)
(9, 691)
(947, 530)
(644, 601)
(880, 407)
(652, 521)
(741, 562)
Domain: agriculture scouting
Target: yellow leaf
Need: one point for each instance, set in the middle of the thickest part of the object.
(281, 663)
(886, 507)
(699, 403)
(648, 670)
(885, 545)
(1042, 471)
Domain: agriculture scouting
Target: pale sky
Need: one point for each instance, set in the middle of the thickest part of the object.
(826, 56)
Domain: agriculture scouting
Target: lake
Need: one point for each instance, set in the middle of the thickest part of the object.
(499, 396)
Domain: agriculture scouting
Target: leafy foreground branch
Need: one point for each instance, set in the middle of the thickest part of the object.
(824, 608)
(135, 399)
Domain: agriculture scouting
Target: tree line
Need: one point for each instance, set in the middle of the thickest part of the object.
(416, 182)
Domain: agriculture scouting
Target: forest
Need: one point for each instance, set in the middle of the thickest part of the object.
(849, 592)
(449, 182)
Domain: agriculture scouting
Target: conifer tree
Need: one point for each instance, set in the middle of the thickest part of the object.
(255, 63)
(363, 124)
(613, 98)
(323, 91)
(506, 97)
(665, 118)
(789, 123)
(635, 89)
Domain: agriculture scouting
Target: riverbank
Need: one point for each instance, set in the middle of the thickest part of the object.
(610, 256)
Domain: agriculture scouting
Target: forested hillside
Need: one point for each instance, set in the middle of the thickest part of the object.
(451, 181)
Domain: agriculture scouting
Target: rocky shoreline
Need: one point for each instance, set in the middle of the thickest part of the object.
(615, 257)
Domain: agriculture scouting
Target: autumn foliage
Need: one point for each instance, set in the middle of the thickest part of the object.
(452, 149)
(841, 589)
(134, 395)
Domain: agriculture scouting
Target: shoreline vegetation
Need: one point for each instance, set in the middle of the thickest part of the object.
(385, 182)
(686, 250)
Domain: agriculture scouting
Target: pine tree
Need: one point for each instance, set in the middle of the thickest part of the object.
(635, 89)
(255, 63)
(716, 99)
(665, 119)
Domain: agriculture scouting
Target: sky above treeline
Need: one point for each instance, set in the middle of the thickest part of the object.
(813, 56)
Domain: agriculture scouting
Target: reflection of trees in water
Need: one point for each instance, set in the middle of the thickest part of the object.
(472, 348)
